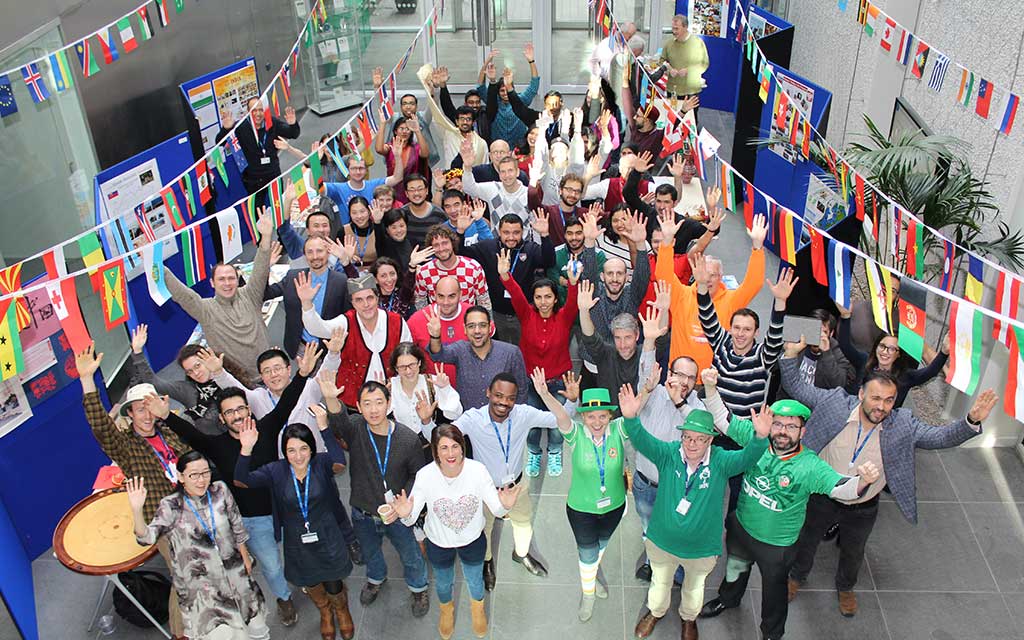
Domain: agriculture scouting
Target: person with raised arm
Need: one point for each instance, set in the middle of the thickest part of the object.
(257, 142)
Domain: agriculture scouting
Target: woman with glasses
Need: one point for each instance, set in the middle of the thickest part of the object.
(414, 393)
(211, 566)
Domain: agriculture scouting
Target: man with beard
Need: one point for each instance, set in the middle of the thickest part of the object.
(841, 431)
(455, 128)
(527, 258)
(420, 212)
(450, 310)
(407, 108)
(771, 508)
(665, 199)
(446, 262)
(580, 246)
(371, 333)
(465, 219)
(570, 189)
(257, 141)
(330, 301)
(232, 320)
(357, 185)
(472, 99)
(506, 196)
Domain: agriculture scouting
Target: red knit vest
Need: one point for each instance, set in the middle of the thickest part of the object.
(355, 355)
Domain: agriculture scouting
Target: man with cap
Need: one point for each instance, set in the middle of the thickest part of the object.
(366, 352)
(144, 450)
(772, 505)
(685, 528)
(841, 432)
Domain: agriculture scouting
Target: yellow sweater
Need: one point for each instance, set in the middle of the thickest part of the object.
(690, 54)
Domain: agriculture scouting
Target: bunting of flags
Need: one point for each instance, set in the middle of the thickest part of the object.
(965, 342)
(192, 255)
(114, 294)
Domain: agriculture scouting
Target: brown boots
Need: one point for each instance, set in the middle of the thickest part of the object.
(331, 606)
(446, 625)
(479, 618)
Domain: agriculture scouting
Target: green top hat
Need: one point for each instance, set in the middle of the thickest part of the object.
(791, 408)
(596, 400)
(699, 421)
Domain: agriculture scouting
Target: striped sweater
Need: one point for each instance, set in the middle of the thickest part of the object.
(742, 380)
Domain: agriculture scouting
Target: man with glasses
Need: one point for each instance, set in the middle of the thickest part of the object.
(455, 126)
(407, 108)
(223, 450)
(570, 190)
(771, 508)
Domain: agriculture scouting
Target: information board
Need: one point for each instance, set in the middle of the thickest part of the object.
(226, 89)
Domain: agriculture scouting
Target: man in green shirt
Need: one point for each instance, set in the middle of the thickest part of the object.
(771, 509)
(685, 528)
(686, 58)
(578, 243)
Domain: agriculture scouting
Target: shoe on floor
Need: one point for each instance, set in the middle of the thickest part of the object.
(554, 463)
(643, 572)
(600, 590)
(792, 588)
(645, 626)
(532, 465)
(355, 552)
(713, 608)
(287, 612)
(532, 564)
(847, 603)
(420, 603)
(370, 592)
(489, 577)
(586, 611)
(690, 630)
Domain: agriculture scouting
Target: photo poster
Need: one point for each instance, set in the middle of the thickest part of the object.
(122, 193)
(804, 97)
(14, 406)
(230, 92)
(52, 368)
(824, 207)
(709, 17)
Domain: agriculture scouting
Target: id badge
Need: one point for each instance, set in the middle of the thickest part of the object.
(507, 294)
(683, 507)
(389, 496)
(310, 537)
(604, 502)
(264, 160)
(507, 480)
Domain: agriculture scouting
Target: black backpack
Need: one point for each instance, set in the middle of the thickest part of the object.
(151, 589)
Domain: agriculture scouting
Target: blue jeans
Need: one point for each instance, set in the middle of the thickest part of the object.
(263, 547)
(644, 494)
(443, 561)
(371, 531)
(555, 437)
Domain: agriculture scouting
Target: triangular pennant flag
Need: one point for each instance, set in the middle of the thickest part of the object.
(965, 346)
(11, 359)
(114, 294)
(153, 263)
(913, 298)
(880, 287)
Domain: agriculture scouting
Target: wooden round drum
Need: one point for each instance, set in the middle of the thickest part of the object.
(97, 536)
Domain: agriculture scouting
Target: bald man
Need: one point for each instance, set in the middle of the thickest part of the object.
(489, 172)
(450, 309)
(601, 58)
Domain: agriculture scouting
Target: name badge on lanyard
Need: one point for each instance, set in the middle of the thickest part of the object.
(506, 449)
(309, 537)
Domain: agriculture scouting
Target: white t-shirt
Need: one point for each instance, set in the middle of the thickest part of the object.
(455, 515)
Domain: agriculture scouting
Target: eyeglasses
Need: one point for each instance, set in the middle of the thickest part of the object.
(696, 440)
(269, 371)
(887, 349)
(684, 376)
(196, 368)
(198, 475)
(412, 366)
(242, 410)
(419, 189)
(572, 189)
(778, 426)
(478, 325)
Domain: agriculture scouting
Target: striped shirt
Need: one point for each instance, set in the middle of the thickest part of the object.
(418, 227)
(742, 380)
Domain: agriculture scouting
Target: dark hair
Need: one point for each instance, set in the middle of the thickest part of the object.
(747, 313)
(477, 309)
(898, 365)
(270, 354)
(408, 349)
(826, 318)
(541, 283)
(358, 200)
(877, 375)
(606, 222)
(183, 461)
(452, 193)
(471, 93)
(572, 221)
(373, 385)
(449, 431)
(385, 261)
(186, 352)
(227, 394)
(571, 177)
(672, 363)
(667, 190)
(552, 93)
(392, 216)
(503, 376)
(441, 230)
(465, 110)
(330, 220)
(408, 95)
(301, 432)
(413, 177)
(213, 269)
(632, 146)
(510, 218)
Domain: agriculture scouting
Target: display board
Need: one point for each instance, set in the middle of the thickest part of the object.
(713, 19)
(226, 89)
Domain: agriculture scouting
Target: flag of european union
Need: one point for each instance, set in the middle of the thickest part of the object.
(7, 103)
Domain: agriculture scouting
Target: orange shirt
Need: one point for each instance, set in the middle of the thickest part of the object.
(687, 335)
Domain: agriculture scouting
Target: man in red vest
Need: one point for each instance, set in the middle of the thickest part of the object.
(366, 352)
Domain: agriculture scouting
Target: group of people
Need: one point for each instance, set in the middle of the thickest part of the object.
(432, 319)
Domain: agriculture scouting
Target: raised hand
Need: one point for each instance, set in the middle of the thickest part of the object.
(793, 349)
(643, 162)
(758, 231)
(378, 77)
(712, 196)
(467, 153)
(504, 263)
(585, 296)
(248, 435)
(536, 172)
(843, 311)
(572, 386)
(227, 119)
(213, 363)
(824, 340)
(574, 269)
(649, 197)
(868, 472)
(376, 211)
(762, 421)
(603, 119)
(677, 166)
(289, 114)
(540, 382)
(506, 77)
(629, 402)
(662, 296)
(311, 352)
(276, 250)
(88, 361)
(528, 52)
(709, 377)
(669, 224)
(401, 505)
(321, 416)
(440, 377)
(265, 222)
(652, 379)
(440, 76)
(337, 340)
(424, 407)
(433, 322)
(136, 489)
(540, 223)
(326, 380)
(699, 267)
(651, 324)
(281, 144)
(591, 229)
(305, 290)
(715, 219)
(637, 231)
(784, 286)
(478, 209)
(983, 405)
(689, 104)
(159, 406)
(491, 72)
(139, 337)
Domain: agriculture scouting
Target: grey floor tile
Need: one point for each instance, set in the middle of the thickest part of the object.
(1015, 603)
(1000, 532)
(944, 616)
(822, 576)
(731, 625)
(985, 474)
(939, 554)
(814, 615)
(391, 614)
(553, 610)
(933, 483)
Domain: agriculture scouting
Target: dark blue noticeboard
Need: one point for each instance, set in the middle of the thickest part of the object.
(722, 78)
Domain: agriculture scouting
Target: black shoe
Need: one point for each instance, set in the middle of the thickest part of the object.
(489, 577)
(532, 564)
(831, 533)
(370, 592)
(420, 604)
(355, 552)
(643, 572)
(713, 608)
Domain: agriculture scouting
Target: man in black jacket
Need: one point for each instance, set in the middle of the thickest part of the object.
(257, 142)
(665, 199)
(331, 299)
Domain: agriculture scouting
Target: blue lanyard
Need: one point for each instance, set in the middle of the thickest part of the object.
(263, 142)
(302, 498)
(514, 260)
(211, 531)
(391, 299)
(507, 447)
(860, 444)
(691, 478)
(600, 460)
(361, 248)
(376, 452)
(168, 471)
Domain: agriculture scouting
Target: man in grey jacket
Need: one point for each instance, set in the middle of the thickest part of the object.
(840, 430)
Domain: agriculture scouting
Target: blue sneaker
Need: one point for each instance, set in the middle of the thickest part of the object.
(533, 465)
(554, 463)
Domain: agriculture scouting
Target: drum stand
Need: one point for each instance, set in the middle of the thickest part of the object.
(116, 581)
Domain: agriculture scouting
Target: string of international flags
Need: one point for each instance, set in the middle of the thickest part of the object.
(107, 274)
(832, 259)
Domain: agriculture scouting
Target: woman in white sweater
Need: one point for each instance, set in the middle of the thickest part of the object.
(412, 387)
(454, 491)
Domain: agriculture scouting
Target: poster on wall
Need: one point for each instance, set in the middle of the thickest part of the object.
(14, 407)
(231, 92)
(823, 208)
(709, 17)
(803, 95)
(123, 192)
